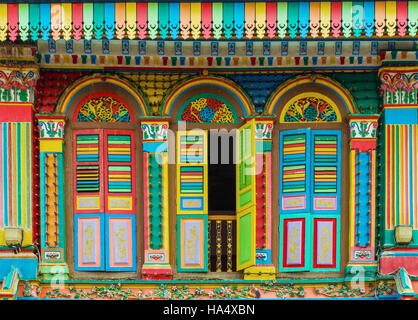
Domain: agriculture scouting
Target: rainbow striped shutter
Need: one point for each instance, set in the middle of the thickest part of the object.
(326, 167)
(326, 198)
(119, 175)
(192, 201)
(104, 202)
(246, 195)
(88, 175)
(119, 190)
(294, 171)
(88, 200)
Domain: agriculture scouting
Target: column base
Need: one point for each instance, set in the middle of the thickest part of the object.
(260, 272)
(49, 271)
(156, 272)
(391, 261)
(355, 268)
(26, 264)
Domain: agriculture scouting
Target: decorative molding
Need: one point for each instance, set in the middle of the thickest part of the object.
(399, 86)
(18, 84)
(263, 20)
(51, 128)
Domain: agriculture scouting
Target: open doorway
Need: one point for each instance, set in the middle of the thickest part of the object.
(221, 202)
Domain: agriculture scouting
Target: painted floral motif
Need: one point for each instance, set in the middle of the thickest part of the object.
(207, 110)
(17, 86)
(103, 109)
(121, 242)
(363, 129)
(325, 245)
(310, 109)
(294, 244)
(154, 131)
(88, 245)
(184, 292)
(51, 129)
(399, 87)
(263, 131)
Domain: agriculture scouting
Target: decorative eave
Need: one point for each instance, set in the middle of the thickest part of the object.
(208, 20)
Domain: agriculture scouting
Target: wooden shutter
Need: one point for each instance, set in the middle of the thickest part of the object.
(326, 171)
(87, 168)
(192, 201)
(294, 200)
(119, 171)
(294, 171)
(326, 199)
(104, 202)
(246, 195)
(88, 200)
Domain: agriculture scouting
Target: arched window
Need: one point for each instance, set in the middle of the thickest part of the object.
(102, 160)
(310, 178)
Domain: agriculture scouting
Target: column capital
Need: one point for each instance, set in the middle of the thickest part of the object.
(154, 128)
(51, 126)
(399, 86)
(363, 131)
(18, 80)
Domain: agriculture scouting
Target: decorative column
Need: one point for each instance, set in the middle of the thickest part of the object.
(362, 217)
(52, 197)
(155, 170)
(264, 269)
(18, 220)
(397, 190)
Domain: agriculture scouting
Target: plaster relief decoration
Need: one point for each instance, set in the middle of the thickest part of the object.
(315, 108)
(399, 86)
(363, 129)
(51, 129)
(154, 131)
(103, 109)
(208, 109)
(17, 85)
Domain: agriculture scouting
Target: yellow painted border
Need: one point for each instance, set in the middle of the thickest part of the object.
(72, 91)
(226, 84)
(344, 94)
(309, 95)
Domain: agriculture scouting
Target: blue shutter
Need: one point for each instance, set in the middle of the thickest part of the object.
(294, 171)
(326, 171)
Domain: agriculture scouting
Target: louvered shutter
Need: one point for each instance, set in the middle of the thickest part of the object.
(294, 171)
(119, 183)
(326, 199)
(88, 200)
(88, 175)
(119, 166)
(192, 205)
(294, 199)
(326, 167)
(246, 195)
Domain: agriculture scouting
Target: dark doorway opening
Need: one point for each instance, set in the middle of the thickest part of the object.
(221, 202)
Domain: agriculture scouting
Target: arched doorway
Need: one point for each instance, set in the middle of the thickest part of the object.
(310, 156)
(102, 158)
(206, 113)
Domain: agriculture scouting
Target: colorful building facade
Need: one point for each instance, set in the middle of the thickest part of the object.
(209, 150)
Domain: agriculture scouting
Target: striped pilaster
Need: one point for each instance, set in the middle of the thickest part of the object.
(155, 170)
(362, 216)
(52, 197)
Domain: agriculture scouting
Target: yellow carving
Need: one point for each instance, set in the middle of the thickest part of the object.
(121, 251)
(88, 245)
(191, 244)
(293, 243)
(325, 245)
